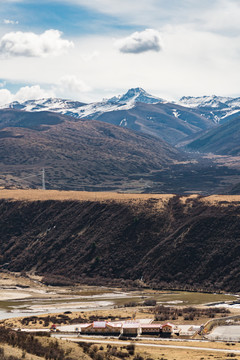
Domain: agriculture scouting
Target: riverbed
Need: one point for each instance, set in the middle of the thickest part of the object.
(18, 302)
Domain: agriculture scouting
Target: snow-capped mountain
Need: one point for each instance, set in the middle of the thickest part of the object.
(214, 108)
(135, 95)
(92, 110)
(204, 101)
(218, 108)
(65, 107)
(138, 110)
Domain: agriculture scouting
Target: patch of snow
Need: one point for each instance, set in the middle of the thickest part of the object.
(123, 122)
(230, 113)
(176, 113)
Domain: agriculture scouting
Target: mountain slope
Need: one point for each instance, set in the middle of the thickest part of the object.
(37, 121)
(169, 122)
(223, 140)
(191, 244)
(78, 154)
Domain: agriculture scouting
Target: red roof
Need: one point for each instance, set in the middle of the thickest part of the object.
(167, 324)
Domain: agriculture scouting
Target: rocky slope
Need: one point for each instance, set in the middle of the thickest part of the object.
(182, 243)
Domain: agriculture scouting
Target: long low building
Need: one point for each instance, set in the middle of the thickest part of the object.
(124, 328)
(101, 328)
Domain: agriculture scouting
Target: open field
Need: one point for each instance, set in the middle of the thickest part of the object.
(170, 351)
(43, 195)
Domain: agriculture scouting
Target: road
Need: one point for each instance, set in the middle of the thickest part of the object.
(151, 345)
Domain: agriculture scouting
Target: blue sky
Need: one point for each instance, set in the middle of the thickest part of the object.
(72, 19)
(83, 51)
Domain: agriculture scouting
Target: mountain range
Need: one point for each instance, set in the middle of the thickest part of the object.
(138, 110)
(86, 150)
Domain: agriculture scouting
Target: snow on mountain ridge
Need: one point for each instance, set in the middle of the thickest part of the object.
(215, 108)
(81, 110)
(205, 101)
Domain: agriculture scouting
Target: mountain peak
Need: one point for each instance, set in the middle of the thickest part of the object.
(134, 95)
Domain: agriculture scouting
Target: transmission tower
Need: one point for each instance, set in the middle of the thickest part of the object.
(43, 179)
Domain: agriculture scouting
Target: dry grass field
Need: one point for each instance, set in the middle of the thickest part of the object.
(75, 352)
(43, 195)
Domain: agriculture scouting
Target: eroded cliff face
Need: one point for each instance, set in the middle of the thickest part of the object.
(188, 244)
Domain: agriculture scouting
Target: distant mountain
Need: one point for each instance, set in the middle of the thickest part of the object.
(82, 110)
(91, 155)
(62, 106)
(78, 155)
(217, 108)
(224, 140)
(136, 110)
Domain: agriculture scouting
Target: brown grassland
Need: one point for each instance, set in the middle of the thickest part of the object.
(35, 194)
(43, 195)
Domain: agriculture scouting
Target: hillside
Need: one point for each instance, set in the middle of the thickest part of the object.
(170, 242)
(77, 154)
(170, 122)
(223, 140)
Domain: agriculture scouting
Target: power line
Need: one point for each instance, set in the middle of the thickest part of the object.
(42, 172)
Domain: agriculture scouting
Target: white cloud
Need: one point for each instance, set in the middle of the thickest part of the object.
(5, 96)
(24, 93)
(71, 84)
(139, 42)
(29, 44)
(32, 93)
(223, 17)
(10, 22)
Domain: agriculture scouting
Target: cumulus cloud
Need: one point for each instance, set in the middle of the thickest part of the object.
(24, 93)
(139, 42)
(29, 44)
(71, 84)
(5, 97)
(32, 93)
(68, 85)
(10, 22)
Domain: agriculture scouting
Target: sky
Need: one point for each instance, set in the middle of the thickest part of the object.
(89, 50)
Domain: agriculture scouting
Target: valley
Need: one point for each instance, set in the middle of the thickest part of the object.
(145, 224)
(70, 307)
